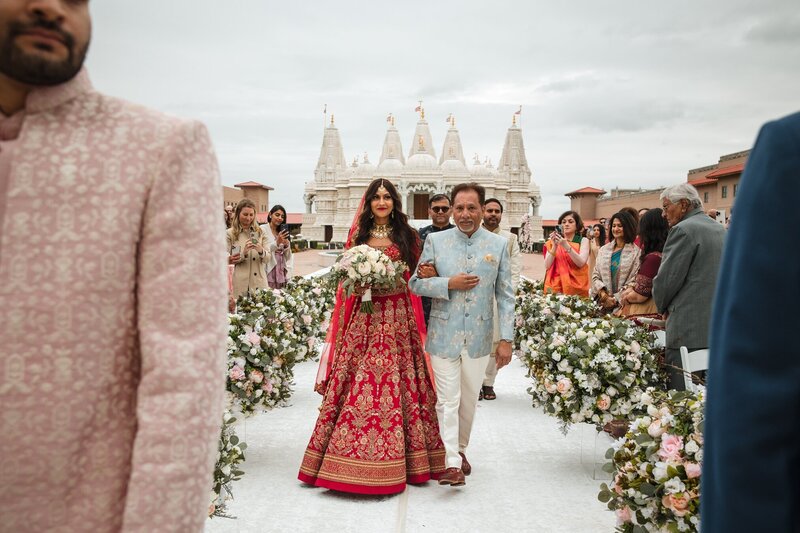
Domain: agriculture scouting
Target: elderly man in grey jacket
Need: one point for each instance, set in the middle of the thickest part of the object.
(684, 287)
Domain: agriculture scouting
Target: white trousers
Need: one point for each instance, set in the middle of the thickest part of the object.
(491, 372)
(458, 382)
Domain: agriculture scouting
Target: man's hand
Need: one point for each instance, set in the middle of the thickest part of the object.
(463, 282)
(503, 354)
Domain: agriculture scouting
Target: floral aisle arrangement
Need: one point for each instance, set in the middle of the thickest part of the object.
(585, 368)
(365, 267)
(263, 346)
(657, 465)
(312, 300)
(226, 471)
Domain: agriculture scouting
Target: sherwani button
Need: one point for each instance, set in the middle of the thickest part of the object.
(466, 314)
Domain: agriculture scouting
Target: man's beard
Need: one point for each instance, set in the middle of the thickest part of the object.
(33, 69)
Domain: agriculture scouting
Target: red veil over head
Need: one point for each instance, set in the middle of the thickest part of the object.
(346, 306)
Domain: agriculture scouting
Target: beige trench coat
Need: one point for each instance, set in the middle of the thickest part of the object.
(250, 272)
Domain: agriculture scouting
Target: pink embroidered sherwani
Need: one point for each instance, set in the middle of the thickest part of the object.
(112, 318)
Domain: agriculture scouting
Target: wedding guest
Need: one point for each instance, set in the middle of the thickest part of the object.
(753, 395)
(566, 257)
(597, 238)
(492, 216)
(617, 263)
(439, 211)
(280, 262)
(247, 249)
(684, 287)
(228, 216)
(635, 215)
(464, 270)
(637, 300)
(377, 428)
(113, 328)
(642, 211)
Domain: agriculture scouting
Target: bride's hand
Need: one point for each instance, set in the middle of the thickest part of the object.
(426, 270)
(359, 289)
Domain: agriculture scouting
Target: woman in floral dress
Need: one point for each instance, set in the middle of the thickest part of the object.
(377, 427)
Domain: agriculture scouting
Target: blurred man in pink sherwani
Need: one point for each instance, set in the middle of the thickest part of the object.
(112, 294)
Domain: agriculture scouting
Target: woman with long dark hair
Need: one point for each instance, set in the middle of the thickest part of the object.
(281, 261)
(637, 300)
(617, 263)
(377, 428)
(597, 238)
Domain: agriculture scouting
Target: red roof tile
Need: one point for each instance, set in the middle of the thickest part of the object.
(294, 218)
(254, 184)
(586, 190)
(726, 171)
(702, 181)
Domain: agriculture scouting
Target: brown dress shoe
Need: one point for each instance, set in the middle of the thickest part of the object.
(465, 466)
(453, 477)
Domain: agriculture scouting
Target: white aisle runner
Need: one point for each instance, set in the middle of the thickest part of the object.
(526, 477)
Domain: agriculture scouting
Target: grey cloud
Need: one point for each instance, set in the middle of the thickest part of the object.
(783, 31)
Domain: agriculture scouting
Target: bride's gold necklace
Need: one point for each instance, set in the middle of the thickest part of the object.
(380, 231)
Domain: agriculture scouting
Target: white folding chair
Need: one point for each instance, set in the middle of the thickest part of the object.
(693, 362)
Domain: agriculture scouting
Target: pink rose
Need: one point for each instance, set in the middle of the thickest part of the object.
(252, 339)
(549, 386)
(671, 446)
(256, 376)
(311, 342)
(617, 486)
(623, 515)
(267, 386)
(563, 386)
(635, 347)
(317, 291)
(655, 429)
(236, 373)
(677, 503)
(693, 470)
(604, 402)
(306, 320)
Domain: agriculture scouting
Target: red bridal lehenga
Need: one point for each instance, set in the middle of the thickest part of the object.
(377, 428)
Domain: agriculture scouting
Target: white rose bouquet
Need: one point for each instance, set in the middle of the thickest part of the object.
(657, 465)
(363, 268)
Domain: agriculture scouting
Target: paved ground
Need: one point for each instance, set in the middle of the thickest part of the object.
(313, 260)
(527, 477)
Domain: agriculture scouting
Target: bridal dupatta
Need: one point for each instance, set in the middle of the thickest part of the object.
(346, 306)
(563, 276)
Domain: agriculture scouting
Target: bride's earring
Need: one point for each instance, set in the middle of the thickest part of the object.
(372, 215)
(392, 214)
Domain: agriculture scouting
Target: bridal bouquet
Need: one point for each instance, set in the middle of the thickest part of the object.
(657, 465)
(364, 268)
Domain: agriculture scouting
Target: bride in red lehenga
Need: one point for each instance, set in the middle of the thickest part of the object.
(377, 428)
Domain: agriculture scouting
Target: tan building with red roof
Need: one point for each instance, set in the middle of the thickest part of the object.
(717, 185)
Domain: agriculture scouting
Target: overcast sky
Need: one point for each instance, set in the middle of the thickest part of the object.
(628, 93)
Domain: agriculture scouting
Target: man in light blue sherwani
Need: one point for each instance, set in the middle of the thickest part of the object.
(464, 270)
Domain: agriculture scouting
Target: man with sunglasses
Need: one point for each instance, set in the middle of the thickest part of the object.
(439, 211)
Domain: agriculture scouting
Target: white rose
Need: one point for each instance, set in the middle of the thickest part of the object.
(364, 268)
(692, 447)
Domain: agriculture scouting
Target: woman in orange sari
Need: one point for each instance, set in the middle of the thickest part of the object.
(566, 257)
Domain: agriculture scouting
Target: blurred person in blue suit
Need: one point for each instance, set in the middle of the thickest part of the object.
(751, 469)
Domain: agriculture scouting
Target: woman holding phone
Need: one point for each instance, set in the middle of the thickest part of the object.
(566, 257)
(247, 250)
(279, 266)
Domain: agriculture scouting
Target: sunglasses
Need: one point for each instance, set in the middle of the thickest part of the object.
(440, 209)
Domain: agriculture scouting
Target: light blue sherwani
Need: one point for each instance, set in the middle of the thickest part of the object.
(464, 320)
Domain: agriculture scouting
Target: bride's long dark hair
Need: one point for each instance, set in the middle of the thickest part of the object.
(403, 235)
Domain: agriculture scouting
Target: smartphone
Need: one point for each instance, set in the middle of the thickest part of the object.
(253, 237)
(560, 230)
(235, 250)
(284, 227)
